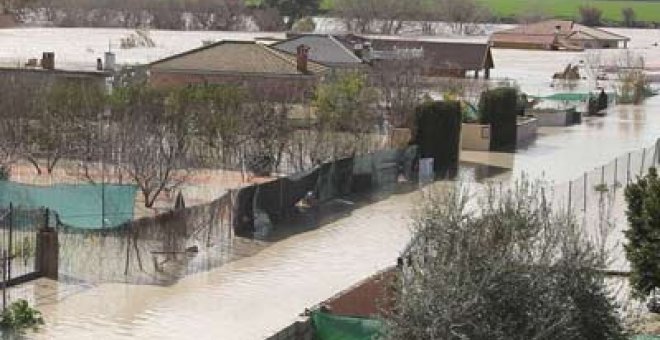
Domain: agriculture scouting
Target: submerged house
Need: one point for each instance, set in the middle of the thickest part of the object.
(434, 58)
(44, 72)
(557, 35)
(324, 49)
(263, 70)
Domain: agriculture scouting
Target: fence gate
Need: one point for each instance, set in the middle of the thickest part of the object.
(19, 231)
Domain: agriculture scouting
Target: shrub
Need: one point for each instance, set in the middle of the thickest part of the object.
(643, 234)
(507, 267)
(5, 172)
(303, 25)
(590, 16)
(499, 108)
(19, 316)
(439, 134)
(628, 17)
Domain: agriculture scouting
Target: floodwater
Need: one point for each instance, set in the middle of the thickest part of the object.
(255, 296)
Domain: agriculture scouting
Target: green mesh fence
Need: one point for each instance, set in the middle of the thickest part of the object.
(85, 206)
(336, 327)
(573, 96)
(646, 337)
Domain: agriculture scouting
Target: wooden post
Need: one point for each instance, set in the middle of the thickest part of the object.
(11, 243)
(48, 252)
(5, 281)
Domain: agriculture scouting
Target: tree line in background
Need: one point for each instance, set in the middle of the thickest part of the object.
(364, 16)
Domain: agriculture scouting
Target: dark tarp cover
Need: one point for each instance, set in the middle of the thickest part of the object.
(243, 220)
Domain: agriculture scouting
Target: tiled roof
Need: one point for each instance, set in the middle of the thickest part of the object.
(540, 31)
(520, 38)
(236, 57)
(324, 49)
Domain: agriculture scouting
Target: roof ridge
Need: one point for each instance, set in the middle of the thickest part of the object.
(277, 54)
(201, 48)
(281, 55)
(343, 47)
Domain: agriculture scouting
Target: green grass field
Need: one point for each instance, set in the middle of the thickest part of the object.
(645, 10)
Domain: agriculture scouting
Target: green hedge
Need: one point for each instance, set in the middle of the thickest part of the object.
(439, 134)
(499, 108)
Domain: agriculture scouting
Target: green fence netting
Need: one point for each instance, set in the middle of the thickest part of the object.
(85, 206)
(573, 96)
(336, 327)
(646, 337)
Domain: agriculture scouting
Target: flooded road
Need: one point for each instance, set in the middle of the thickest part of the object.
(247, 299)
(254, 297)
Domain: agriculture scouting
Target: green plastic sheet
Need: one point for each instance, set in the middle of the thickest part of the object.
(84, 206)
(336, 327)
(573, 96)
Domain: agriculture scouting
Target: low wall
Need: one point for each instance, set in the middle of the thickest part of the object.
(367, 298)
(299, 330)
(475, 137)
(553, 117)
(527, 129)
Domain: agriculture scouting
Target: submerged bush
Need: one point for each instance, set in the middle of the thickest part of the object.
(19, 316)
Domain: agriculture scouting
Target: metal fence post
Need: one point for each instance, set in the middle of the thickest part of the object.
(585, 194)
(11, 237)
(570, 193)
(602, 174)
(4, 279)
(616, 168)
(641, 170)
(628, 169)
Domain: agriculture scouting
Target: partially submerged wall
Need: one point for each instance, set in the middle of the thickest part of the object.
(475, 137)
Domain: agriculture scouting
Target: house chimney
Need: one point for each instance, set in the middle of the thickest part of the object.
(48, 61)
(302, 56)
(110, 60)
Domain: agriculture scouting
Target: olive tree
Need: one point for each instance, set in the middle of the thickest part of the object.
(506, 266)
(643, 235)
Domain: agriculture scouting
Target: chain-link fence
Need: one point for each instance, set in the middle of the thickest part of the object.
(597, 200)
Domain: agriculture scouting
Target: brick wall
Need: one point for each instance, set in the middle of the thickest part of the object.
(290, 88)
(366, 298)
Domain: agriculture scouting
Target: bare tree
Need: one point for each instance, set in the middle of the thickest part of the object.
(463, 16)
(590, 16)
(382, 16)
(399, 84)
(628, 16)
(151, 137)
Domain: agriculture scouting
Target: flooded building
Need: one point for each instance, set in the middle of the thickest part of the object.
(557, 35)
(45, 72)
(433, 58)
(324, 49)
(261, 69)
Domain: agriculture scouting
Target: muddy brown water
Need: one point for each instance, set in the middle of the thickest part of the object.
(255, 296)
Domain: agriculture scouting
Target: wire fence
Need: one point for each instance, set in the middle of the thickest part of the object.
(597, 198)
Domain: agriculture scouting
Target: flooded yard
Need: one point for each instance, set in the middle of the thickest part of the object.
(255, 296)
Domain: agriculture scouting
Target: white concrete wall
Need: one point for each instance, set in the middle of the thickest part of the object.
(552, 117)
(475, 137)
(527, 131)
